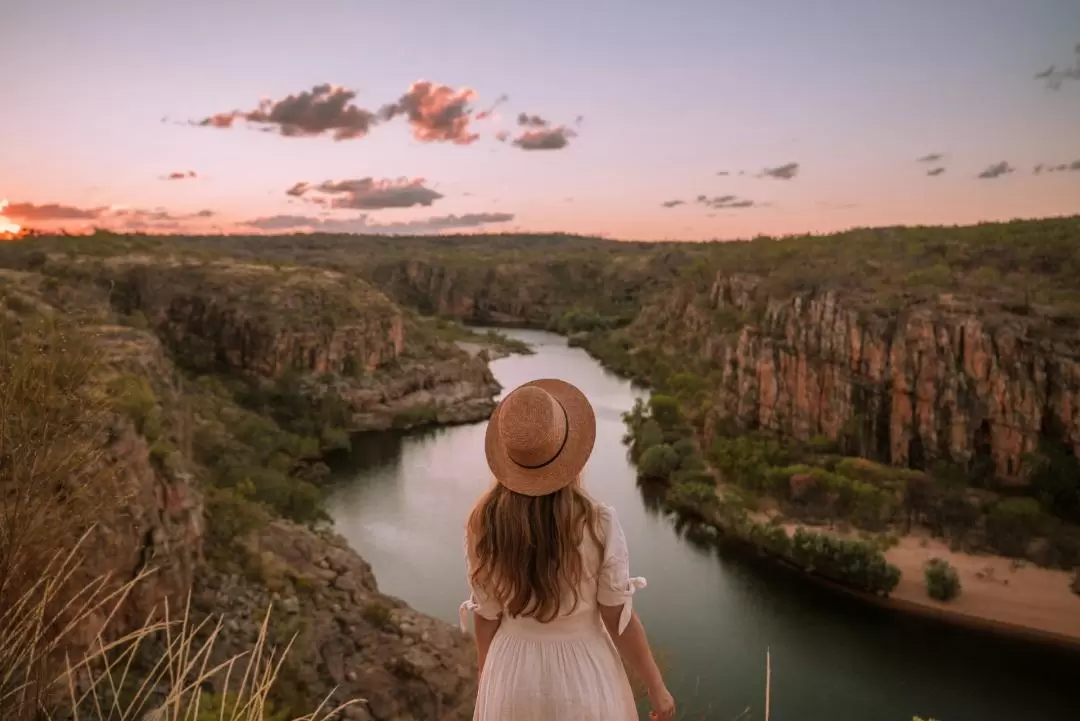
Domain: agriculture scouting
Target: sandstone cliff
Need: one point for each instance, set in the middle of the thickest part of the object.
(347, 338)
(907, 386)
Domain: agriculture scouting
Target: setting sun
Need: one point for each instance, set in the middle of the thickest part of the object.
(8, 228)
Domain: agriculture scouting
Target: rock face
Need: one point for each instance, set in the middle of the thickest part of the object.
(352, 641)
(344, 336)
(906, 387)
(158, 520)
(406, 665)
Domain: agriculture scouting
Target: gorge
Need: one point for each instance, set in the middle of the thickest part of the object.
(238, 367)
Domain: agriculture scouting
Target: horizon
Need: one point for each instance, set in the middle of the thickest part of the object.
(621, 121)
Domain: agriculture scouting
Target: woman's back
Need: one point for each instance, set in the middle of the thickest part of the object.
(549, 573)
(567, 667)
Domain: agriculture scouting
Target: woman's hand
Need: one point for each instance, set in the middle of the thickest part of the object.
(663, 705)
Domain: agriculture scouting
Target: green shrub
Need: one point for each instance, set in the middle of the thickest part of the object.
(694, 497)
(658, 462)
(942, 580)
(856, 563)
(229, 516)
(648, 435)
(746, 460)
(1012, 523)
(378, 614)
(135, 399)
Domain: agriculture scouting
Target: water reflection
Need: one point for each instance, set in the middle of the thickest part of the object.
(711, 609)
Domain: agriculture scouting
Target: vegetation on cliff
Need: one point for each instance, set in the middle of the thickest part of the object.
(943, 357)
(867, 381)
(155, 442)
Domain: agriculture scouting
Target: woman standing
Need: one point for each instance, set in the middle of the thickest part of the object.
(550, 576)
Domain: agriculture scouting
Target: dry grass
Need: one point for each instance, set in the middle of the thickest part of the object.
(53, 480)
(101, 683)
(62, 655)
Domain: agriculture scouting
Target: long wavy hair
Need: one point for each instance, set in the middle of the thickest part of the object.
(526, 549)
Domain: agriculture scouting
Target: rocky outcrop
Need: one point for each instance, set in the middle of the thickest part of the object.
(371, 646)
(508, 291)
(907, 386)
(344, 336)
(351, 641)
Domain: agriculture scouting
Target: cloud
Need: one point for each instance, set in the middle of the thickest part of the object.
(723, 172)
(539, 133)
(724, 201)
(30, 212)
(1038, 169)
(672, 203)
(533, 121)
(485, 114)
(931, 158)
(324, 109)
(437, 113)
(101, 216)
(935, 171)
(181, 175)
(996, 170)
(367, 193)
(1055, 78)
(361, 224)
(786, 171)
(1063, 167)
(545, 138)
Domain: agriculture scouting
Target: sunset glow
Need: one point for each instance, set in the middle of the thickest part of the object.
(702, 139)
(8, 228)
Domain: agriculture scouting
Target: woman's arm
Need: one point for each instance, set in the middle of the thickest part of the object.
(485, 631)
(633, 647)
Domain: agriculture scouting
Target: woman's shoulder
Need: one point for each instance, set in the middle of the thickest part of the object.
(607, 516)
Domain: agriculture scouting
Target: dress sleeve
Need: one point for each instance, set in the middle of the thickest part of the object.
(615, 585)
(478, 602)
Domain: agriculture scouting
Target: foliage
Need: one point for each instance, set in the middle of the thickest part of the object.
(853, 562)
(1011, 524)
(658, 462)
(942, 580)
(746, 460)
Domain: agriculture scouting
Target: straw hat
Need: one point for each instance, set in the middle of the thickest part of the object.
(540, 437)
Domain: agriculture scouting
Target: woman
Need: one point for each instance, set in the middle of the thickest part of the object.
(549, 574)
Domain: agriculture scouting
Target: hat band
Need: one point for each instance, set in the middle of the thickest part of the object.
(566, 435)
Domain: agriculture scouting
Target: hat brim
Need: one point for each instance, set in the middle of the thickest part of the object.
(560, 472)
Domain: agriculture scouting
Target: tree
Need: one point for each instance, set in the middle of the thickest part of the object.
(942, 580)
(658, 463)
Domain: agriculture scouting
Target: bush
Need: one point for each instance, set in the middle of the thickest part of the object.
(1012, 524)
(694, 498)
(942, 580)
(856, 563)
(746, 460)
(658, 463)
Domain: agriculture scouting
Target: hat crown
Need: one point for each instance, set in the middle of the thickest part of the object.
(532, 426)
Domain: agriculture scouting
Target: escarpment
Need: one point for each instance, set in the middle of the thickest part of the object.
(336, 333)
(911, 385)
(191, 487)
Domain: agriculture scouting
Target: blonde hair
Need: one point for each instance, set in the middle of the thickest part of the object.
(525, 550)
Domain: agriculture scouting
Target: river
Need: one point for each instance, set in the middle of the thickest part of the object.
(709, 616)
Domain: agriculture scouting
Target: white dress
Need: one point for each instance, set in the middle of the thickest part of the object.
(567, 669)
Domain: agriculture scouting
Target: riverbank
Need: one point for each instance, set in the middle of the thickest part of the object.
(995, 593)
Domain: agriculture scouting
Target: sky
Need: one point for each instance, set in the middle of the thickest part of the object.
(684, 120)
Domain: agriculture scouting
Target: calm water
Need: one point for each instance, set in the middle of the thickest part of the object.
(711, 617)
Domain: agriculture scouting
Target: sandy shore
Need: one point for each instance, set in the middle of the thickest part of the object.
(991, 589)
(1024, 599)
